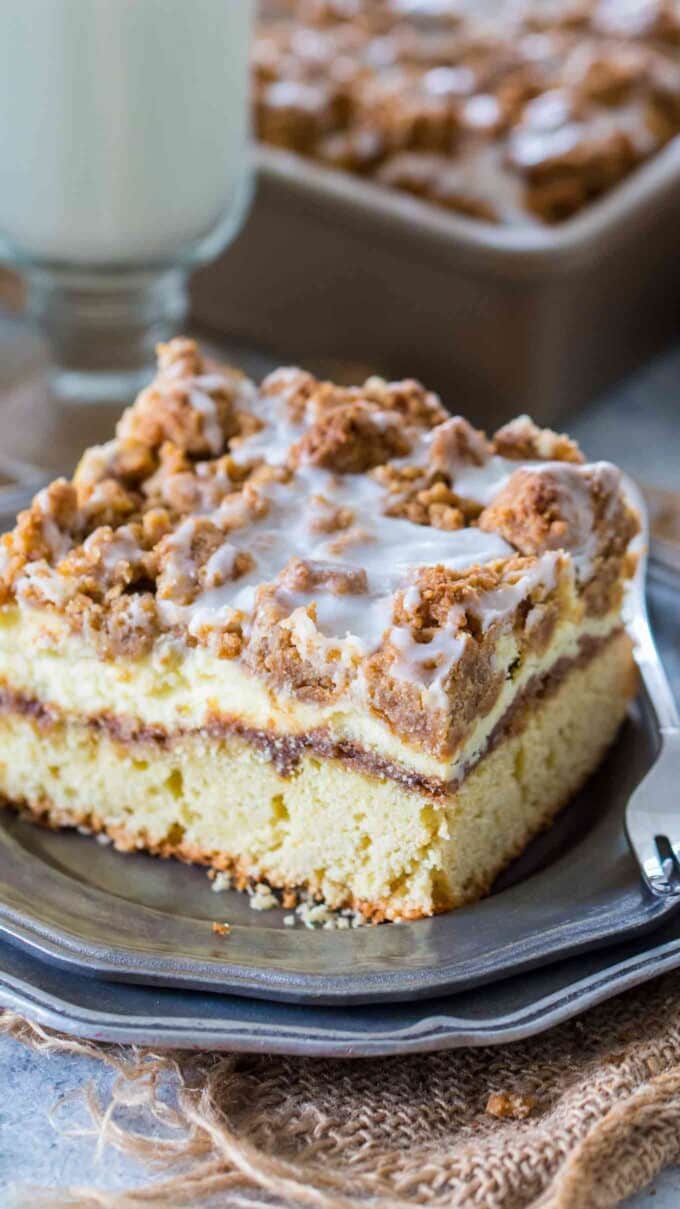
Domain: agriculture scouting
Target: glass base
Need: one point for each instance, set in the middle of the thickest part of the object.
(103, 328)
(50, 430)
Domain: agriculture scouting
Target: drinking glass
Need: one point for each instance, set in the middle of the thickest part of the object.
(125, 162)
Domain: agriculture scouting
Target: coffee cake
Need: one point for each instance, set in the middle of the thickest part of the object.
(321, 637)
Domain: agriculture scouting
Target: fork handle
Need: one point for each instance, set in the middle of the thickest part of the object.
(651, 668)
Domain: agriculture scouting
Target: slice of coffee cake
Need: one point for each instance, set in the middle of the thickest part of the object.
(321, 636)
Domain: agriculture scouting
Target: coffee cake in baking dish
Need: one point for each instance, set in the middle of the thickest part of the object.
(507, 112)
(330, 638)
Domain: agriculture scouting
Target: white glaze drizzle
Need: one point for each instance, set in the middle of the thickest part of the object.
(58, 541)
(123, 547)
(428, 664)
(501, 601)
(389, 550)
(204, 403)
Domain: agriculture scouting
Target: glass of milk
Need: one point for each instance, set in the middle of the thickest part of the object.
(124, 163)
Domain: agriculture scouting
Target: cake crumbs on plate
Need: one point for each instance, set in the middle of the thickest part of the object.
(315, 915)
(262, 898)
(220, 881)
(220, 929)
(311, 914)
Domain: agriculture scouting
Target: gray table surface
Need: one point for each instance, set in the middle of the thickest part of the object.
(638, 426)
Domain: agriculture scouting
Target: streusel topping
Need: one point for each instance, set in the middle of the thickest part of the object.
(334, 539)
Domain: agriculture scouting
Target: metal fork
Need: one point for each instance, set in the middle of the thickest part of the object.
(653, 810)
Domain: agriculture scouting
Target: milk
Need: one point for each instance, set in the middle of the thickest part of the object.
(123, 127)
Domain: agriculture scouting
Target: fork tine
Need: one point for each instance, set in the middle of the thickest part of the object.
(651, 867)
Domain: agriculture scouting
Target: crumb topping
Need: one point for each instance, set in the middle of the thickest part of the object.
(522, 440)
(564, 506)
(334, 539)
(507, 113)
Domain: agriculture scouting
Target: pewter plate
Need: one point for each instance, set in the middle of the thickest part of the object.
(135, 918)
(506, 1011)
(138, 919)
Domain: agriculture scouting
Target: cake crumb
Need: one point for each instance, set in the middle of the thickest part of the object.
(221, 929)
(312, 914)
(289, 921)
(319, 915)
(103, 839)
(516, 1107)
(356, 919)
(262, 899)
(220, 881)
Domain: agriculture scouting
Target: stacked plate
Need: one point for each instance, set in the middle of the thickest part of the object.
(122, 947)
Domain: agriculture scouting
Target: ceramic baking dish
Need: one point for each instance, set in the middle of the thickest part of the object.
(499, 319)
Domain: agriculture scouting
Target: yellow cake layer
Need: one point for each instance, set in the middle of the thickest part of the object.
(357, 839)
(182, 688)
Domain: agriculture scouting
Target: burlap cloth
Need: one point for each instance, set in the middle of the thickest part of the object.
(602, 1094)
